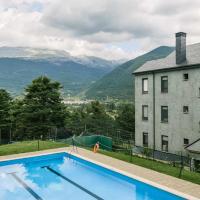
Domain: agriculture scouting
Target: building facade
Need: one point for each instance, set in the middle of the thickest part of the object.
(167, 101)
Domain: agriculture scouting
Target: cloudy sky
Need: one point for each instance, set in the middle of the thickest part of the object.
(112, 29)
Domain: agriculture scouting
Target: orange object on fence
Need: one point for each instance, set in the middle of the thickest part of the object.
(96, 147)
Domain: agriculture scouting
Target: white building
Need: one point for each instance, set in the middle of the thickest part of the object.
(167, 101)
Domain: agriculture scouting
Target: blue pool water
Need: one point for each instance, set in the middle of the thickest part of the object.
(65, 177)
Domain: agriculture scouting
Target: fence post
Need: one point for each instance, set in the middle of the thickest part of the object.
(153, 154)
(38, 144)
(0, 136)
(10, 133)
(56, 132)
(131, 151)
(181, 169)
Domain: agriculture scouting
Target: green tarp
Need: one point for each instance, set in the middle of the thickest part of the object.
(90, 141)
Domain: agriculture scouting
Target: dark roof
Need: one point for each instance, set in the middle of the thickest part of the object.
(169, 63)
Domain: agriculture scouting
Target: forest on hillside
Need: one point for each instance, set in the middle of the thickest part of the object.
(41, 114)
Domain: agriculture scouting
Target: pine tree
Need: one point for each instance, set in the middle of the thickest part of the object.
(43, 109)
(126, 121)
(5, 117)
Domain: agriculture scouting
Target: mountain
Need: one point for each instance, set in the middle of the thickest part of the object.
(119, 83)
(20, 65)
(92, 61)
(56, 55)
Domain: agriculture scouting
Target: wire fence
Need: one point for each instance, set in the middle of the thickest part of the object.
(125, 148)
(24, 146)
(130, 150)
(9, 133)
(122, 141)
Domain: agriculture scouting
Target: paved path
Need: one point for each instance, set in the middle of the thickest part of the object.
(169, 183)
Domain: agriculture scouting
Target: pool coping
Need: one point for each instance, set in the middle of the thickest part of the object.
(85, 154)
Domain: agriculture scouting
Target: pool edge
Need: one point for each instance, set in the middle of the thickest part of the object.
(143, 180)
(123, 172)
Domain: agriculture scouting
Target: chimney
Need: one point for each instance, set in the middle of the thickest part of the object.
(180, 47)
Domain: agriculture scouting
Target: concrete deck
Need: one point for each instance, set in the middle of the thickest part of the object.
(174, 185)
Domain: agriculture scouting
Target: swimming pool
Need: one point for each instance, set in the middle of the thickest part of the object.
(62, 176)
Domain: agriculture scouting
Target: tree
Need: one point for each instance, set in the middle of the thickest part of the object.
(75, 120)
(97, 120)
(126, 121)
(5, 115)
(18, 124)
(42, 109)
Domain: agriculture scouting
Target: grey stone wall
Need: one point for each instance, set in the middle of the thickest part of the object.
(180, 93)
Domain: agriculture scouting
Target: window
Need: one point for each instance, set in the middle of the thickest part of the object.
(164, 84)
(145, 85)
(164, 143)
(145, 139)
(185, 141)
(199, 92)
(164, 113)
(199, 126)
(185, 109)
(185, 77)
(145, 112)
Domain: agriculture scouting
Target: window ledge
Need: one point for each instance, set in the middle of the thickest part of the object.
(164, 92)
(164, 122)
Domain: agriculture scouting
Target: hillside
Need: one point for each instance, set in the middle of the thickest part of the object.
(20, 65)
(119, 83)
(16, 73)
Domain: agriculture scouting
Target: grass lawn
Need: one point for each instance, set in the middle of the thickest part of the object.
(156, 165)
(28, 146)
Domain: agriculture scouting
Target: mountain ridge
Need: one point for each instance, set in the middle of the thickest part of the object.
(20, 65)
(53, 55)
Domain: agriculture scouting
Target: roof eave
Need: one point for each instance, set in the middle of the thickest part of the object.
(167, 69)
(192, 143)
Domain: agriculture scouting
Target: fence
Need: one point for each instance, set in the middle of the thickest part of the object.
(29, 146)
(129, 152)
(120, 149)
(127, 147)
(160, 155)
(90, 141)
(113, 144)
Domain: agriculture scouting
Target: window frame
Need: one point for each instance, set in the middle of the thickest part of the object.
(163, 89)
(186, 112)
(186, 139)
(199, 92)
(145, 144)
(162, 143)
(145, 118)
(184, 78)
(143, 91)
(163, 120)
(199, 127)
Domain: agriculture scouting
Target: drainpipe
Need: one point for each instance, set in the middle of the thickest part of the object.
(154, 132)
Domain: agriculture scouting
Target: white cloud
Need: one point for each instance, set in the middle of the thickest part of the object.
(98, 27)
